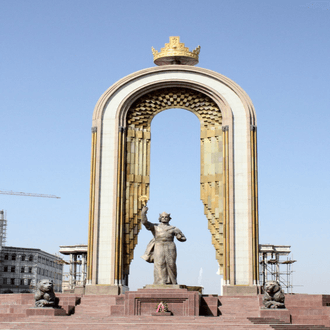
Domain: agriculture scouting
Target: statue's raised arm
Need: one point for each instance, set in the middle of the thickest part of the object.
(144, 219)
(144, 214)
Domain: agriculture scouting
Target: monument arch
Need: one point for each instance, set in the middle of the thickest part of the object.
(121, 162)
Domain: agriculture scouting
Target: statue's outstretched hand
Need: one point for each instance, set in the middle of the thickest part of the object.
(180, 236)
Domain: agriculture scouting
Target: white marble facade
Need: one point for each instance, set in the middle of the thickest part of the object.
(239, 117)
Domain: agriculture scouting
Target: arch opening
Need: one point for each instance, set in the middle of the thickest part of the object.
(137, 154)
(175, 188)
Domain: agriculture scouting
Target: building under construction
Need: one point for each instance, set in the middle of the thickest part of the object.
(3, 228)
(22, 268)
(74, 280)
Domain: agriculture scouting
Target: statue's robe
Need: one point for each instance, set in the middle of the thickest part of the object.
(149, 253)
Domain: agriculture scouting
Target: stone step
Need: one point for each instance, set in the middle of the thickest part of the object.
(13, 308)
(98, 301)
(12, 316)
(92, 307)
(305, 300)
(310, 319)
(299, 327)
(306, 311)
(153, 322)
(34, 326)
(263, 320)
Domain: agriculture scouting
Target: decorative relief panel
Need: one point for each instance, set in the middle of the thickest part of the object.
(137, 185)
(145, 108)
(212, 186)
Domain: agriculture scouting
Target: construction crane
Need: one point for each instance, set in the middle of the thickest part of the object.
(27, 194)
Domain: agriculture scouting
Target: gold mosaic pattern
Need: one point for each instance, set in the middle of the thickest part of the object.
(138, 161)
(212, 186)
(145, 108)
(137, 185)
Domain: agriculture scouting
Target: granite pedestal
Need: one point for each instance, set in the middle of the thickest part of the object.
(45, 311)
(179, 300)
(278, 314)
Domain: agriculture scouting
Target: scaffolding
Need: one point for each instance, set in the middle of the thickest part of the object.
(76, 277)
(3, 228)
(276, 265)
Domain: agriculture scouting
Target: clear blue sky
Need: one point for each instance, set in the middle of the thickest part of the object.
(58, 57)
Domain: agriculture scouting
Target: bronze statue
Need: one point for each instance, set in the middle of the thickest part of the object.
(161, 250)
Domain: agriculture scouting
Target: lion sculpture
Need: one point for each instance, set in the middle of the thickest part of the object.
(44, 295)
(274, 295)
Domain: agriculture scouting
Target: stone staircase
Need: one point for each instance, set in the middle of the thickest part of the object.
(307, 312)
(93, 312)
(14, 306)
(311, 309)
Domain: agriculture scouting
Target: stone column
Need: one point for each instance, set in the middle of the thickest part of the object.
(83, 269)
(71, 272)
(74, 270)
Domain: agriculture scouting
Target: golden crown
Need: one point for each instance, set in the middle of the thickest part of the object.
(175, 52)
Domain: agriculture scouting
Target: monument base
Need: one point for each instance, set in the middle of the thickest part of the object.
(180, 301)
(164, 286)
(174, 286)
(105, 289)
(162, 314)
(240, 290)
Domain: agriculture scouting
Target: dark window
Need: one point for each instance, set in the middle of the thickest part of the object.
(5, 268)
(23, 257)
(38, 271)
(13, 257)
(12, 281)
(30, 258)
(22, 269)
(22, 281)
(39, 259)
(13, 269)
(29, 281)
(4, 281)
(6, 257)
(30, 269)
